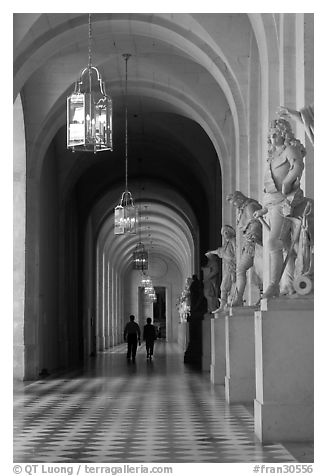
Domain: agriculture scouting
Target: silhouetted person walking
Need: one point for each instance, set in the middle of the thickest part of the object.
(132, 334)
(149, 335)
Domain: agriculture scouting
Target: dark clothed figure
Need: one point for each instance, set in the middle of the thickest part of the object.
(132, 334)
(193, 353)
(198, 301)
(149, 335)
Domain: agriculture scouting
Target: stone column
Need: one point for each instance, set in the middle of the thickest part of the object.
(240, 355)
(100, 290)
(111, 306)
(218, 349)
(284, 353)
(106, 306)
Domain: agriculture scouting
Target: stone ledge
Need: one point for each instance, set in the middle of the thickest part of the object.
(242, 311)
(292, 303)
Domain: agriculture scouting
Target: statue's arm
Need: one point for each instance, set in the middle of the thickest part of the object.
(253, 207)
(296, 168)
(259, 213)
(289, 113)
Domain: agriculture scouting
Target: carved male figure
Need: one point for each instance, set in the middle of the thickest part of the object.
(227, 253)
(211, 281)
(251, 229)
(282, 195)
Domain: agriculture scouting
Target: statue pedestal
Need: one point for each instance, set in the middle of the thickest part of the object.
(240, 355)
(206, 342)
(193, 353)
(218, 349)
(284, 353)
(183, 335)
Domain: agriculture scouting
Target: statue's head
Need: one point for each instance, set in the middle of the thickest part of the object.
(236, 198)
(280, 133)
(228, 232)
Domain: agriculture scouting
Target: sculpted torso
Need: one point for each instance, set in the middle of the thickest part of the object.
(285, 168)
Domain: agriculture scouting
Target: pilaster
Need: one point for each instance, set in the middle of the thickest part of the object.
(218, 350)
(206, 342)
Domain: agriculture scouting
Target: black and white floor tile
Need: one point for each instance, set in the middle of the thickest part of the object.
(158, 411)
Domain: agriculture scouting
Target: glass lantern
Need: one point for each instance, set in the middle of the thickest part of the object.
(89, 114)
(152, 296)
(140, 257)
(146, 281)
(125, 215)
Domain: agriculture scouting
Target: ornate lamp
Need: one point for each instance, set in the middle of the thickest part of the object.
(89, 111)
(140, 257)
(152, 296)
(146, 281)
(125, 211)
(148, 289)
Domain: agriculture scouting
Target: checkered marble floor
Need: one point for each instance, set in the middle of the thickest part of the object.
(115, 411)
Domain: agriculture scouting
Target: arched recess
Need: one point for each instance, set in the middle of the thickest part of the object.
(113, 294)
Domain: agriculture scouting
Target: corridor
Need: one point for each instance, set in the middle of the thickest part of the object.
(159, 411)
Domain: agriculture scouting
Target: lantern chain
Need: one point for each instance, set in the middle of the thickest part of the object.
(126, 56)
(90, 40)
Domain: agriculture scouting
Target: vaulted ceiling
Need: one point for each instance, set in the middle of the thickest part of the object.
(187, 84)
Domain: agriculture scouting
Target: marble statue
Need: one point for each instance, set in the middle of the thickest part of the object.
(211, 281)
(184, 301)
(285, 204)
(227, 252)
(305, 116)
(251, 229)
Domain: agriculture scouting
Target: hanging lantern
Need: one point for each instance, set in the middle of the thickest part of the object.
(125, 211)
(125, 215)
(140, 257)
(89, 111)
(148, 289)
(152, 296)
(146, 281)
